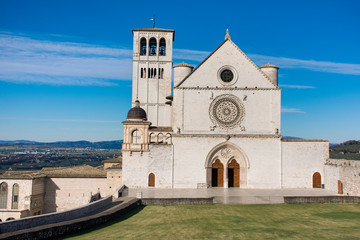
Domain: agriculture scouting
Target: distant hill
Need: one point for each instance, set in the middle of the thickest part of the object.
(289, 137)
(347, 150)
(65, 144)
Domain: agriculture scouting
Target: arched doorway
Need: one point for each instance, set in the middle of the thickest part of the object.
(217, 174)
(224, 153)
(151, 180)
(316, 180)
(234, 174)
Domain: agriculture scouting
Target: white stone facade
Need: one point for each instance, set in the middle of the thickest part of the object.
(224, 121)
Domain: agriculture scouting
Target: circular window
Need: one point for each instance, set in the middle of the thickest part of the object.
(226, 111)
(227, 75)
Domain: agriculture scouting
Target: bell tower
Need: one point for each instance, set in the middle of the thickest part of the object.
(152, 72)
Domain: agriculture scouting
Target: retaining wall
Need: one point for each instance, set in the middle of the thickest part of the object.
(323, 199)
(51, 231)
(34, 221)
(176, 201)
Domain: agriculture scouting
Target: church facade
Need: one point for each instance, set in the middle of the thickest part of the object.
(217, 125)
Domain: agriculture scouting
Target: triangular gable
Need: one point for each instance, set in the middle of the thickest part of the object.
(257, 78)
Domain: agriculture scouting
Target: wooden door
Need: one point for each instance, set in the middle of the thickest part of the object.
(234, 168)
(151, 180)
(219, 173)
(316, 180)
(340, 187)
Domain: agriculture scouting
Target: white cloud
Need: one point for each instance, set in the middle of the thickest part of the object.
(193, 55)
(62, 120)
(296, 86)
(23, 59)
(27, 60)
(292, 110)
(318, 66)
(282, 62)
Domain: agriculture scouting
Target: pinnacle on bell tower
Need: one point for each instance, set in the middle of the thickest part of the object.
(152, 72)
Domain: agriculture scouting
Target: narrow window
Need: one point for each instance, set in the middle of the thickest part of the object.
(151, 180)
(152, 45)
(144, 72)
(152, 138)
(160, 138)
(168, 138)
(149, 72)
(3, 195)
(135, 137)
(15, 196)
(162, 73)
(152, 73)
(162, 47)
(154, 76)
(143, 46)
(141, 73)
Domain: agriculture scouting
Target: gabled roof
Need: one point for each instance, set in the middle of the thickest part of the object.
(227, 39)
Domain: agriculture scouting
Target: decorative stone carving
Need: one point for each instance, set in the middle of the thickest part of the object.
(226, 111)
(226, 152)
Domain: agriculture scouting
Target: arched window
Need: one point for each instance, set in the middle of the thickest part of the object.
(15, 196)
(10, 218)
(168, 138)
(316, 180)
(162, 47)
(151, 180)
(152, 137)
(0, 220)
(3, 195)
(143, 46)
(136, 137)
(152, 45)
(160, 138)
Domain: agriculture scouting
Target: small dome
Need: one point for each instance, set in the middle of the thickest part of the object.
(269, 65)
(137, 113)
(183, 64)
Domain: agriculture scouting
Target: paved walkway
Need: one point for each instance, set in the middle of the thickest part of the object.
(229, 195)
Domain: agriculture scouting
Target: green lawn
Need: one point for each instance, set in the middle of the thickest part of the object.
(283, 221)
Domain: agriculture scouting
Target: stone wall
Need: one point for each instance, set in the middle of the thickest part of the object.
(300, 160)
(176, 201)
(348, 174)
(66, 193)
(50, 231)
(323, 199)
(50, 218)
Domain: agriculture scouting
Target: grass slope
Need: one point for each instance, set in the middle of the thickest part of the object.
(283, 221)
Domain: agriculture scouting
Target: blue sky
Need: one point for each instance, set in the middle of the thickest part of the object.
(65, 66)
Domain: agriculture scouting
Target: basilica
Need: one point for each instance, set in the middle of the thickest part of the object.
(216, 125)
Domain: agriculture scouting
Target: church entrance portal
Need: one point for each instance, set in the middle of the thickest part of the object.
(233, 174)
(217, 174)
